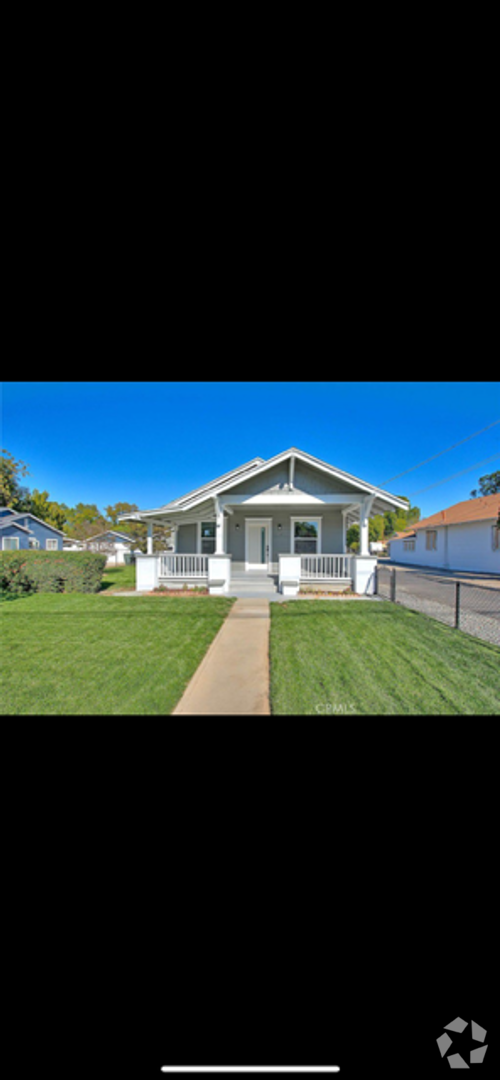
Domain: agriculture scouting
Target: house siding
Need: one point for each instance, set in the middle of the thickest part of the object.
(10, 531)
(468, 547)
(186, 539)
(41, 532)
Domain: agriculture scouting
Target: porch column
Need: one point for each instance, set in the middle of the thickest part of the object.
(364, 517)
(150, 538)
(219, 527)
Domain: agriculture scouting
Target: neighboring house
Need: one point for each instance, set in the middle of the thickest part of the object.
(111, 543)
(292, 505)
(22, 530)
(465, 536)
(70, 544)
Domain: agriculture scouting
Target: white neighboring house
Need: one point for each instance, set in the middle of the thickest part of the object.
(286, 516)
(465, 536)
(111, 543)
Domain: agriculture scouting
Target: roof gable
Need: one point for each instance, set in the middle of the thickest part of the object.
(9, 523)
(27, 514)
(350, 481)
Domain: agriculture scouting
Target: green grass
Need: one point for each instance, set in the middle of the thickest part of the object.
(75, 653)
(119, 577)
(354, 657)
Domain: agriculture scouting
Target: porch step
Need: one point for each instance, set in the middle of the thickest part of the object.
(253, 585)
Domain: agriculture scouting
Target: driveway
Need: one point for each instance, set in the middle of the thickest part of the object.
(472, 576)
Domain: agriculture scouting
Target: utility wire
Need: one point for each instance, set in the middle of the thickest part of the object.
(445, 481)
(441, 452)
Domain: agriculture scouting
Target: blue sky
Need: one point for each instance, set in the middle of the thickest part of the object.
(147, 442)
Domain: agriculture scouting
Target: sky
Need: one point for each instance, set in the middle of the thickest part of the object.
(149, 442)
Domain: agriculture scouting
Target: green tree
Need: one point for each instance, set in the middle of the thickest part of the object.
(11, 492)
(399, 520)
(85, 520)
(40, 504)
(488, 485)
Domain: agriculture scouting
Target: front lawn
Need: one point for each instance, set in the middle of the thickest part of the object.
(80, 653)
(347, 657)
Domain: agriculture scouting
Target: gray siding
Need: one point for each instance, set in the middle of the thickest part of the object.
(315, 482)
(186, 539)
(331, 532)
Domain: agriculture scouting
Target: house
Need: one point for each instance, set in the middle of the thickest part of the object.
(111, 543)
(465, 536)
(286, 517)
(22, 530)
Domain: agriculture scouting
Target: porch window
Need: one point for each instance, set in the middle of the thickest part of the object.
(207, 537)
(306, 536)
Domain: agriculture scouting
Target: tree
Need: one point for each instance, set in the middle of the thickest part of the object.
(11, 492)
(40, 504)
(399, 520)
(488, 485)
(85, 520)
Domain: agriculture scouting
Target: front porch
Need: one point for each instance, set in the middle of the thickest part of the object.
(222, 575)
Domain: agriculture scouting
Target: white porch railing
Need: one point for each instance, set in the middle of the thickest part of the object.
(183, 566)
(333, 567)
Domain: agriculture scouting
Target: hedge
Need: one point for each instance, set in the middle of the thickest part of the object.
(23, 572)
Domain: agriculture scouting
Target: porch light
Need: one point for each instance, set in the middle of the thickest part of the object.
(237, 525)
(279, 527)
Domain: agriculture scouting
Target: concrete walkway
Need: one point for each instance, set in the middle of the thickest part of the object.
(233, 677)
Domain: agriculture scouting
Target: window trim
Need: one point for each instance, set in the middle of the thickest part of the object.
(318, 519)
(199, 525)
(4, 538)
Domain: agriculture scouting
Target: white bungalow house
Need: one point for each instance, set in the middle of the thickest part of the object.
(464, 536)
(111, 543)
(285, 518)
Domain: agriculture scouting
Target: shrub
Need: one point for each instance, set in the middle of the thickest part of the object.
(23, 572)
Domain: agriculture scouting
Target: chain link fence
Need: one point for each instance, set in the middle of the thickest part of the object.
(461, 604)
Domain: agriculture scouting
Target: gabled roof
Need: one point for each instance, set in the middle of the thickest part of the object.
(9, 523)
(110, 532)
(255, 467)
(16, 514)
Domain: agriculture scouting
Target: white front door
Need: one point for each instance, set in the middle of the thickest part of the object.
(257, 545)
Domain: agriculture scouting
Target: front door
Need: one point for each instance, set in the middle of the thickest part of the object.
(257, 557)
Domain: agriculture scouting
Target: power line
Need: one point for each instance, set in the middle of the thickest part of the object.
(441, 452)
(445, 481)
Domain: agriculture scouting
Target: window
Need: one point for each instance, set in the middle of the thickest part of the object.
(51, 545)
(10, 543)
(431, 540)
(207, 537)
(409, 545)
(306, 536)
(33, 542)
(495, 538)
